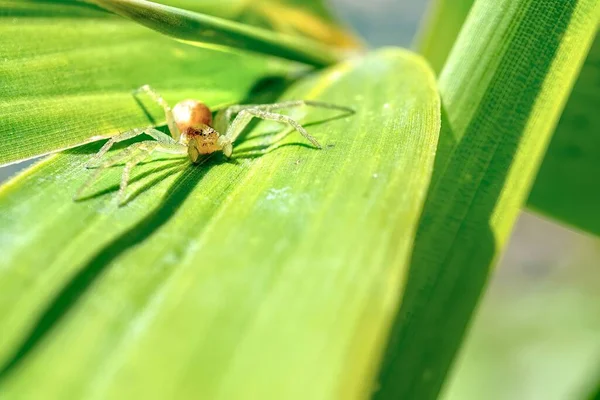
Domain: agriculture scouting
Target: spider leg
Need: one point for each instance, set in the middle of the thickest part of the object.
(246, 115)
(133, 155)
(144, 152)
(223, 117)
(154, 133)
(121, 156)
(163, 103)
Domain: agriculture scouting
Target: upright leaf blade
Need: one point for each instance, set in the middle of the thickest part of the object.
(268, 277)
(69, 71)
(503, 89)
(565, 187)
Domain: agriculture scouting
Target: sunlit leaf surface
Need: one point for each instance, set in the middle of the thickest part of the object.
(273, 275)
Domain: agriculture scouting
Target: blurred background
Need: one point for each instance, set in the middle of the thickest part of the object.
(536, 334)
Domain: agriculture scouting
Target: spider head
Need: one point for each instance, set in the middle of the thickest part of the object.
(204, 140)
(191, 114)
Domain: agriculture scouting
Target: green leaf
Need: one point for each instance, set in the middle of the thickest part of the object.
(503, 89)
(205, 30)
(69, 70)
(568, 186)
(262, 277)
(440, 28)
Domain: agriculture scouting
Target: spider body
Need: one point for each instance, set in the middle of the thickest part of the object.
(202, 140)
(194, 132)
(193, 120)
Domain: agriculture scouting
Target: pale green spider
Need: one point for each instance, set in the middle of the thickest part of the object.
(193, 133)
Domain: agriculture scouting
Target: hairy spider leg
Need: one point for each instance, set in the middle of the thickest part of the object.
(223, 117)
(154, 133)
(163, 103)
(245, 116)
(133, 155)
(145, 152)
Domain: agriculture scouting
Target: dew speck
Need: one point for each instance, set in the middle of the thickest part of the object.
(170, 258)
(278, 194)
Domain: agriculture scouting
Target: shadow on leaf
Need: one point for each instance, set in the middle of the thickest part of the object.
(65, 300)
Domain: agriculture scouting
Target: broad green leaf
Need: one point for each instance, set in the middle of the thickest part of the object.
(69, 70)
(567, 186)
(273, 275)
(205, 30)
(503, 89)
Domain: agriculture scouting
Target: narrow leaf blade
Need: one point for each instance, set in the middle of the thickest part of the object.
(202, 30)
(313, 18)
(566, 185)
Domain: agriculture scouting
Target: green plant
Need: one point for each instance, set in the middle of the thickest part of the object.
(349, 272)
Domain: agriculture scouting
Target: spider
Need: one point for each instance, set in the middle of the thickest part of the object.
(194, 133)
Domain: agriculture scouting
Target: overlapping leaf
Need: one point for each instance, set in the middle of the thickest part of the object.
(206, 30)
(313, 18)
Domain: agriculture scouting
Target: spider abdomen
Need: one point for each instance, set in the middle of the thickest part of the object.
(191, 113)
